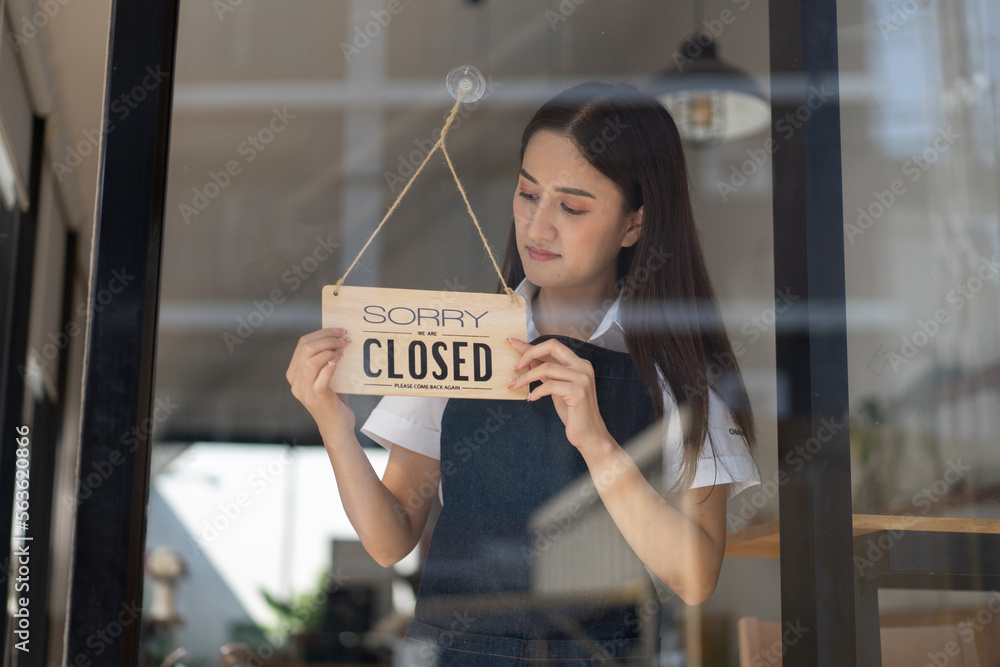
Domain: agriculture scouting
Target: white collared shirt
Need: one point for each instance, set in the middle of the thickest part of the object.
(414, 422)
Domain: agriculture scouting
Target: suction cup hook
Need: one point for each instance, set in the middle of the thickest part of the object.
(467, 81)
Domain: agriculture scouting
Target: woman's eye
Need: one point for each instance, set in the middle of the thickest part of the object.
(528, 196)
(572, 211)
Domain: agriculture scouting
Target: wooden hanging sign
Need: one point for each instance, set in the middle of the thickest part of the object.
(425, 343)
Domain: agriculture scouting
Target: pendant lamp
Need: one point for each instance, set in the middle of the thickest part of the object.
(711, 101)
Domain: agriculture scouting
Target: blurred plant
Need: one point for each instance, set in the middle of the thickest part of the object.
(876, 447)
(302, 612)
(896, 440)
(866, 423)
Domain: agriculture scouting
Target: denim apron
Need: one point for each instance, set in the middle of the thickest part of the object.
(500, 462)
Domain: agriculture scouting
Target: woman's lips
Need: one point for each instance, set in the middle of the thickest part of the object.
(540, 255)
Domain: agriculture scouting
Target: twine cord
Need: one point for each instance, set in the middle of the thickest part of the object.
(438, 144)
(468, 207)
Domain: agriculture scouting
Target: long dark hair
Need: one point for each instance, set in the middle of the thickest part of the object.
(673, 329)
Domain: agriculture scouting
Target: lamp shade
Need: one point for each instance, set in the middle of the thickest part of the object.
(710, 100)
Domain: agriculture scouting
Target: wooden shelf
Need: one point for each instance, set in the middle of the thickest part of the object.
(762, 541)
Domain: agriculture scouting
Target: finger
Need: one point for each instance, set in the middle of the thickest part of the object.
(546, 372)
(570, 360)
(520, 347)
(548, 350)
(326, 331)
(307, 380)
(571, 393)
(306, 345)
(536, 359)
(319, 362)
(315, 343)
(555, 388)
(305, 377)
(322, 384)
(326, 341)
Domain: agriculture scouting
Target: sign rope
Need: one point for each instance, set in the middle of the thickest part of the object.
(444, 151)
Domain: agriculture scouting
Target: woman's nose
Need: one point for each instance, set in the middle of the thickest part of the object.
(540, 224)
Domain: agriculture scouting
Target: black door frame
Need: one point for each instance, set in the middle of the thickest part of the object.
(816, 540)
(816, 544)
(116, 412)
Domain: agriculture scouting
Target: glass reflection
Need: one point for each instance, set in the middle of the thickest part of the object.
(921, 235)
(295, 127)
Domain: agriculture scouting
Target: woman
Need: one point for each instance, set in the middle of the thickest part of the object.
(624, 330)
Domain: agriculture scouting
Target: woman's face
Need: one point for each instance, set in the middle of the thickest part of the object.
(569, 220)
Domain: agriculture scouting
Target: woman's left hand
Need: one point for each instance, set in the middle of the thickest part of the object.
(569, 380)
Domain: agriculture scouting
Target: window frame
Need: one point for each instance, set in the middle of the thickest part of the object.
(816, 542)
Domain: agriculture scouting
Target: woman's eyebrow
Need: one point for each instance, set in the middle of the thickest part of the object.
(568, 191)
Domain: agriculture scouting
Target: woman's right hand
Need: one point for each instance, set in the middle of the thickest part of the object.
(309, 373)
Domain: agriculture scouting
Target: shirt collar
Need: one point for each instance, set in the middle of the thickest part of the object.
(608, 333)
